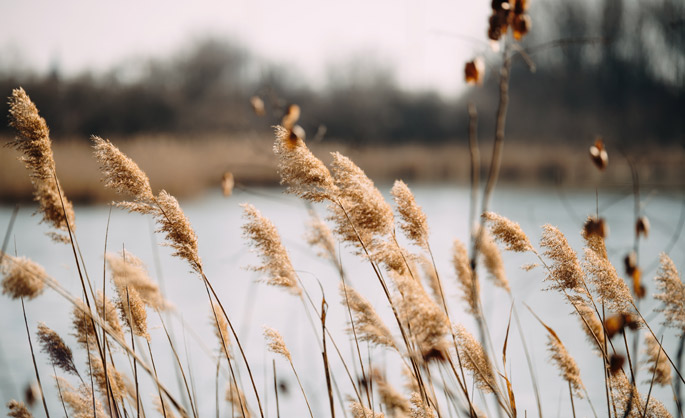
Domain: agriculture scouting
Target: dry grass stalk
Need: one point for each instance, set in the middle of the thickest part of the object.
(360, 411)
(263, 235)
(368, 325)
(419, 409)
(34, 141)
(23, 277)
(508, 232)
(54, 346)
(427, 321)
(276, 344)
(165, 410)
(470, 288)
(127, 270)
(366, 214)
(305, 175)
(475, 359)
(659, 366)
(218, 320)
(132, 311)
(492, 258)
(672, 293)
(565, 271)
(414, 222)
(179, 233)
(81, 401)
(17, 409)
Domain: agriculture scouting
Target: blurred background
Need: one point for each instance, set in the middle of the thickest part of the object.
(371, 78)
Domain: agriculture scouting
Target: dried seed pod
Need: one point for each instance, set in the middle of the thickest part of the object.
(474, 71)
(599, 154)
(642, 226)
(616, 363)
(292, 115)
(227, 183)
(521, 26)
(617, 323)
(257, 105)
(596, 226)
(630, 262)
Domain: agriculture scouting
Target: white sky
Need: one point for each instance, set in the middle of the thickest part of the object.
(423, 40)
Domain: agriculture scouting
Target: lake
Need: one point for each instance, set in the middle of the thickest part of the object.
(252, 304)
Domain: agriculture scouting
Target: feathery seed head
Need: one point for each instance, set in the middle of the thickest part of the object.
(275, 343)
(132, 311)
(305, 175)
(360, 411)
(18, 410)
(108, 311)
(565, 363)
(120, 172)
(117, 386)
(23, 277)
(419, 409)
(508, 232)
(127, 270)
(591, 325)
(493, 261)
(672, 293)
(414, 222)
(179, 233)
(470, 288)
(81, 401)
(395, 403)
(58, 351)
(566, 272)
(34, 142)
(263, 235)
(475, 359)
(367, 324)
(320, 236)
(611, 289)
(220, 324)
(659, 366)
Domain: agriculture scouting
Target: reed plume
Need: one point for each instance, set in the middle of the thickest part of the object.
(23, 277)
(263, 235)
(127, 270)
(132, 311)
(475, 359)
(395, 403)
(427, 320)
(319, 236)
(367, 323)
(565, 272)
(236, 397)
(305, 175)
(508, 232)
(360, 211)
(659, 366)
(591, 324)
(430, 275)
(276, 344)
(392, 256)
(81, 400)
(413, 219)
(672, 293)
(120, 172)
(492, 258)
(419, 409)
(117, 386)
(469, 287)
(17, 409)
(360, 411)
(34, 142)
(124, 176)
(568, 368)
(106, 309)
(83, 326)
(611, 289)
(54, 346)
(218, 320)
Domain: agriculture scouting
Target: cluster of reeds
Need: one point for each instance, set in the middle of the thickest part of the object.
(436, 363)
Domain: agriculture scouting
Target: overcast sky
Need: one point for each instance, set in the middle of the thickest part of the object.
(425, 41)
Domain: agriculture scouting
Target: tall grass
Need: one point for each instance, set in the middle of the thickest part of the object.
(420, 359)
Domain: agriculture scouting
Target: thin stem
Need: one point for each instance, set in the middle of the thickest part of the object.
(33, 357)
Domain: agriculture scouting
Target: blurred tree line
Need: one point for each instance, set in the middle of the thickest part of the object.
(611, 67)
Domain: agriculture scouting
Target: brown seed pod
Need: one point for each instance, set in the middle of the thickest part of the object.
(642, 226)
(599, 154)
(521, 26)
(292, 115)
(617, 323)
(596, 226)
(474, 71)
(616, 363)
(257, 105)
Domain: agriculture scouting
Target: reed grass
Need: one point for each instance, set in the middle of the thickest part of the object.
(446, 369)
